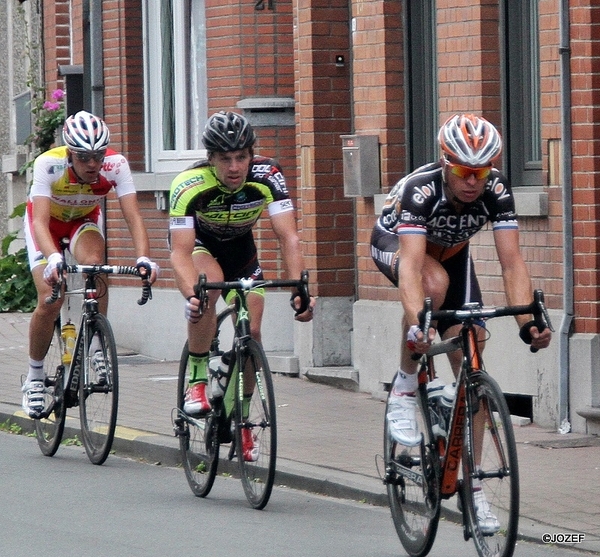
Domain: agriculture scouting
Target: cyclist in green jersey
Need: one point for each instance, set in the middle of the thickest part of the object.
(213, 208)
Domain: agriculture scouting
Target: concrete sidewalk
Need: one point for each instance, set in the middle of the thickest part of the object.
(328, 440)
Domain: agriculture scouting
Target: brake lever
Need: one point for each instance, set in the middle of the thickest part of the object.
(146, 288)
(424, 323)
(303, 293)
(57, 286)
(541, 317)
(200, 293)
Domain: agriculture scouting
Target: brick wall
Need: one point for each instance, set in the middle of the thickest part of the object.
(585, 98)
(378, 100)
(124, 78)
(469, 50)
(290, 52)
(323, 114)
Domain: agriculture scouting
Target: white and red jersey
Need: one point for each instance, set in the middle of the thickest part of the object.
(53, 177)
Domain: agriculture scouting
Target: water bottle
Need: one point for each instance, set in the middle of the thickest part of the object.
(213, 367)
(435, 391)
(446, 401)
(69, 334)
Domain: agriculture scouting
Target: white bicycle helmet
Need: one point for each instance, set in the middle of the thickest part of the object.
(227, 131)
(85, 132)
(471, 140)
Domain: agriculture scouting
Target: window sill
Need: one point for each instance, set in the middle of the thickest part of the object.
(153, 181)
(531, 202)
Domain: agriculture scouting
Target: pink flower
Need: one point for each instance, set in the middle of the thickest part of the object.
(50, 106)
(58, 94)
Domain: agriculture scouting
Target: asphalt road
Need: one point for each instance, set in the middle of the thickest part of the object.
(66, 506)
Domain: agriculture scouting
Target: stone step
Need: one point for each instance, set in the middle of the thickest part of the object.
(592, 415)
(341, 377)
(284, 362)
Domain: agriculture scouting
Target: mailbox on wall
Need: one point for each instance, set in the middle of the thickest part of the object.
(361, 165)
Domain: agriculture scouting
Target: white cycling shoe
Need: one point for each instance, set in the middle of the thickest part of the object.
(402, 421)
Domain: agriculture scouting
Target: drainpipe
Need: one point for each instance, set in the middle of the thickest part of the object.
(567, 199)
(93, 70)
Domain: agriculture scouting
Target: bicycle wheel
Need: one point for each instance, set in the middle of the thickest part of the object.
(99, 393)
(490, 469)
(198, 441)
(255, 418)
(412, 477)
(49, 431)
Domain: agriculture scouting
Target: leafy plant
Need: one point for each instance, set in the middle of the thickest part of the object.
(17, 290)
(71, 442)
(49, 116)
(11, 427)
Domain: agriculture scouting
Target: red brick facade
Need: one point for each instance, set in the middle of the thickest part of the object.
(291, 52)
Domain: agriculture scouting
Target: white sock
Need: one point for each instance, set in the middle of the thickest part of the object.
(405, 383)
(95, 344)
(36, 370)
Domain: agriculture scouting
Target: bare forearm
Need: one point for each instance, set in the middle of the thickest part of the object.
(293, 261)
(185, 273)
(518, 288)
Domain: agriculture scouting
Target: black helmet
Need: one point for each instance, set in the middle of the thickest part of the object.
(227, 131)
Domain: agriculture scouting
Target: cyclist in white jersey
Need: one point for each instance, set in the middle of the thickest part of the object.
(69, 183)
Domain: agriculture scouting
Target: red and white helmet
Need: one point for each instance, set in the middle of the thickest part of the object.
(470, 140)
(85, 132)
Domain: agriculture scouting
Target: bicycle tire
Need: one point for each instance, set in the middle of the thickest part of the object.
(415, 509)
(497, 474)
(49, 431)
(98, 400)
(258, 416)
(198, 438)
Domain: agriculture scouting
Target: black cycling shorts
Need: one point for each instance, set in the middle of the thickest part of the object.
(238, 257)
(463, 286)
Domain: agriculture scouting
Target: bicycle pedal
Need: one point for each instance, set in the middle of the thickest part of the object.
(178, 421)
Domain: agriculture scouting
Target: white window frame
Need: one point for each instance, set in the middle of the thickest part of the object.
(159, 159)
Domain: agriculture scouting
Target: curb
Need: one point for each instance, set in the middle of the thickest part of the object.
(161, 450)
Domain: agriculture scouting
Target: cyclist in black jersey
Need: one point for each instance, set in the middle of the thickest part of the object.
(420, 242)
(214, 206)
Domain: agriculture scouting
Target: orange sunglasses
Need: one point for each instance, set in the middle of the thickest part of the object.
(465, 172)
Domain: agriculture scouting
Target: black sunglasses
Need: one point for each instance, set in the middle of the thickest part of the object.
(97, 156)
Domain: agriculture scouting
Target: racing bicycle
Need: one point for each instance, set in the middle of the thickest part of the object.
(473, 436)
(71, 380)
(242, 398)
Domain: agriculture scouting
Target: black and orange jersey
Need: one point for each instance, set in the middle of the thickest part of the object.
(418, 204)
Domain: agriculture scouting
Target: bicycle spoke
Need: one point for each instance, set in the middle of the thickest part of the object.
(258, 426)
(412, 479)
(99, 393)
(198, 439)
(491, 473)
(49, 431)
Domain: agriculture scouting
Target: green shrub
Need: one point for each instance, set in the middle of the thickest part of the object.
(17, 290)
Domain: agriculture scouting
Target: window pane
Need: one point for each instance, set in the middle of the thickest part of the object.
(523, 157)
(535, 147)
(421, 82)
(196, 69)
(168, 75)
